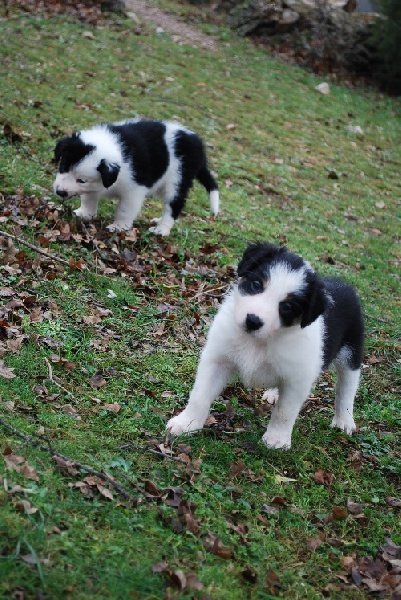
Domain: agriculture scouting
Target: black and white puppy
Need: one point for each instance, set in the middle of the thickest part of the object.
(280, 326)
(129, 161)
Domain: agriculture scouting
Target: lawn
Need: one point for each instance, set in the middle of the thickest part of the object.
(100, 334)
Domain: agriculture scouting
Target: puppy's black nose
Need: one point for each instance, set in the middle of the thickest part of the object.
(62, 193)
(252, 322)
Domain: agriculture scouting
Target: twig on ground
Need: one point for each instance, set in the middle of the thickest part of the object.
(35, 248)
(158, 453)
(54, 379)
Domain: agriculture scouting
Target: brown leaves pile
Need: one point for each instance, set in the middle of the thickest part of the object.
(178, 280)
(90, 485)
(380, 575)
(85, 11)
(124, 254)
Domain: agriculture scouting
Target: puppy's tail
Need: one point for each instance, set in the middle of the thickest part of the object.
(205, 177)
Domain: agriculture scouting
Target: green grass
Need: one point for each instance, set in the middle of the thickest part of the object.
(273, 141)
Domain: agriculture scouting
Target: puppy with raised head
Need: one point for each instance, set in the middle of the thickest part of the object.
(129, 161)
(279, 327)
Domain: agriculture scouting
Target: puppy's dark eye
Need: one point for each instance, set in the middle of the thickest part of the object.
(285, 307)
(256, 286)
(81, 181)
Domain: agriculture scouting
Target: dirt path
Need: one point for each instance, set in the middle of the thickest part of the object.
(182, 32)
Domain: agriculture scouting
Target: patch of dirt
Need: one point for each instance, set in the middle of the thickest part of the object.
(181, 32)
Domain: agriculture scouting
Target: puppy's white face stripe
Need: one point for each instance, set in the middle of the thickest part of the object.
(101, 137)
(280, 281)
(283, 280)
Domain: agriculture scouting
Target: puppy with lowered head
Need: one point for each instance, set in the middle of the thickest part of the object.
(279, 327)
(129, 161)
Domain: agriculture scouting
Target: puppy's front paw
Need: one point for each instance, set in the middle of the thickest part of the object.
(276, 439)
(83, 214)
(160, 229)
(270, 396)
(346, 423)
(118, 227)
(183, 423)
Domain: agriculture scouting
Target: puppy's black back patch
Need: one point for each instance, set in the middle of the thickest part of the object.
(144, 147)
(343, 323)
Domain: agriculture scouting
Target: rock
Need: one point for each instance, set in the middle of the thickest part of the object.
(255, 16)
(288, 18)
(302, 6)
(355, 129)
(335, 36)
(323, 88)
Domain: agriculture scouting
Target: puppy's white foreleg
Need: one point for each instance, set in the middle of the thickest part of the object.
(128, 208)
(284, 413)
(346, 387)
(88, 208)
(211, 378)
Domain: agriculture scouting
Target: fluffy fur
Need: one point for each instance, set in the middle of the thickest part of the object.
(279, 327)
(129, 161)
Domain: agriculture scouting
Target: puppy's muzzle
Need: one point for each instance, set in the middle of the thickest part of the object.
(252, 323)
(61, 193)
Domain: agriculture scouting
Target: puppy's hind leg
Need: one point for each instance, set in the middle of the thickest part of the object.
(174, 197)
(205, 177)
(346, 388)
(163, 225)
(88, 208)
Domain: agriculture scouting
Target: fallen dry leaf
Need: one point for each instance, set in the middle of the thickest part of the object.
(105, 492)
(6, 372)
(214, 545)
(26, 507)
(69, 410)
(97, 381)
(339, 512)
(115, 407)
(354, 508)
(314, 543)
(19, 464)
(65, 465)
(390, 500)
(237, 468)
(9, 404)
(177, 578)
(279, 500)
(323, 478)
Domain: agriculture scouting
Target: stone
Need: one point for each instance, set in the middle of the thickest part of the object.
(288, 17)
(323, 88)
(303, 6)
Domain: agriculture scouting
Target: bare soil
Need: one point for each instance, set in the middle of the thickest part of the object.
(182, 32)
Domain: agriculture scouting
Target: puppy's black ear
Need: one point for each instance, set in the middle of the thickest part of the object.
(108, 172)
(316, 299)
(59, 149)
(257, 254)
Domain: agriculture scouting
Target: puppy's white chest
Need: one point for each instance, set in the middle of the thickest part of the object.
(256, 366)
(265, 377)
